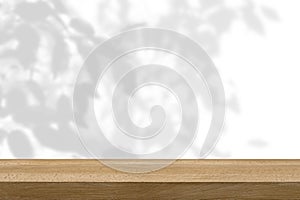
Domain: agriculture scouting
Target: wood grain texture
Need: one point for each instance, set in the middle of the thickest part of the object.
(180, 171)
(184, 179)
(184, 191)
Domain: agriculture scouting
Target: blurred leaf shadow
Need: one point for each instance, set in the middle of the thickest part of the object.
(43, 44)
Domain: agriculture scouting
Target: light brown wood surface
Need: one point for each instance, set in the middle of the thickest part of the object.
(184, 179)
(179, 171)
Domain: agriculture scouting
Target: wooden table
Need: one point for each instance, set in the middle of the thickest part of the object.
(184, 179)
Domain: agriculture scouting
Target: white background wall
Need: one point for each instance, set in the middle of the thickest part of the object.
(254, 44)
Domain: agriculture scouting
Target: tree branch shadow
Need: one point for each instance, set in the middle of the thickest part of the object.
(44, 43)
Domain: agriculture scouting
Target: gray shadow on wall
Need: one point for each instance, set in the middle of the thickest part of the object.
(43, 45)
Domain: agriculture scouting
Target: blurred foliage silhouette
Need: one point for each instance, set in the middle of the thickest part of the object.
(43, 44)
